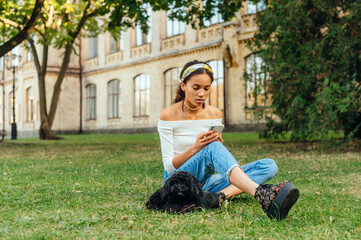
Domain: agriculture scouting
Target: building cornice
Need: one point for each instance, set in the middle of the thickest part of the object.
(163, 56)
(70, 71)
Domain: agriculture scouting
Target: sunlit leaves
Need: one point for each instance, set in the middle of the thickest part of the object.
(61, 17)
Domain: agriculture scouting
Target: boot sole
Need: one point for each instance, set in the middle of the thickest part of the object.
(283, 202)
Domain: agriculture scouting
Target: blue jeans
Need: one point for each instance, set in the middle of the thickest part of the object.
(216, 158)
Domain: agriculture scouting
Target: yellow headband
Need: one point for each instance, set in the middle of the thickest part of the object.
(193, 68)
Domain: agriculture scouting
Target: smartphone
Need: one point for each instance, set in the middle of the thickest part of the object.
(217, 128)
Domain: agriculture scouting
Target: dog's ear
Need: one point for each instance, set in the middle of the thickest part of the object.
(166, 189)
(196, 186)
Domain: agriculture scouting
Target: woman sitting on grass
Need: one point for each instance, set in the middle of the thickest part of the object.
(188, 145)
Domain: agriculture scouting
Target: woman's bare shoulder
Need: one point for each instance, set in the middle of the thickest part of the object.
(214, 112)
(170, 113)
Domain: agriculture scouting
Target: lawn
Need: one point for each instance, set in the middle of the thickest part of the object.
(95, 187)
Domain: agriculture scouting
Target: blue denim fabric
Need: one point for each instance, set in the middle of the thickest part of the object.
(216, 158)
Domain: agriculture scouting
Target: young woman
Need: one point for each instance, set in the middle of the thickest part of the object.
(188, 145)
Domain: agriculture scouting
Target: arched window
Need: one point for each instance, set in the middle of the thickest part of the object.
(141, 95)
(91, 102)
(216, 96)
(30, 105)
(114, 88)
(141, 37)
(216, 18)
(171, 82)
(256, 80)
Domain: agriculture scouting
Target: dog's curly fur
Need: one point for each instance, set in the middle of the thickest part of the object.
(182, 192)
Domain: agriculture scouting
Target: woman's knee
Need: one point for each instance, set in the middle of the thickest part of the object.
(215, 145)
(271, 166)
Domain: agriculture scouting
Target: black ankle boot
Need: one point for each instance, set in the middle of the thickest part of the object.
(277, 200)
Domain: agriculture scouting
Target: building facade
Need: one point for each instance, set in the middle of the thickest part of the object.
(121, 84)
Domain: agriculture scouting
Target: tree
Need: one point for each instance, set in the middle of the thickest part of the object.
(311, 51)
(62, 21)
(22, 33)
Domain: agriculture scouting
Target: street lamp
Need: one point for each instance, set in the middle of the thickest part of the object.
(14, 133)
(3, 132)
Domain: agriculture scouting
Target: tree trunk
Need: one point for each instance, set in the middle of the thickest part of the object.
(45, 129)
(47, 120)
(57, 86)
(45, 132)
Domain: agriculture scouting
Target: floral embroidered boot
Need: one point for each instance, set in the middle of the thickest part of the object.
(277, 200)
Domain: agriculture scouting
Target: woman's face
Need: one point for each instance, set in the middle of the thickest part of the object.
(197, 89)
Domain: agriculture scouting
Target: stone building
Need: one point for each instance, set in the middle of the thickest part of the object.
(121, 84)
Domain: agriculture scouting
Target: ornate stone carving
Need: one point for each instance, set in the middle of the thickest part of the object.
(141, 51)
(173, 42)
(114, 58)
(249, 23)
(140, 121)
(111, 123)
(90, 64)
(230, 57)
(28, 66)
(210, 33)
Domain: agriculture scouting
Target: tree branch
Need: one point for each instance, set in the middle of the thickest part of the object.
(9, 22)
(64, 66)
(35, 54)
(25, 32)
(82, 21)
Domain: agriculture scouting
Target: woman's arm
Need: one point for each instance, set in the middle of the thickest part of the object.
(203, 139)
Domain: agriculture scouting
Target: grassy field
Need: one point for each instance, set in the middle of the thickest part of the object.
(95, 187)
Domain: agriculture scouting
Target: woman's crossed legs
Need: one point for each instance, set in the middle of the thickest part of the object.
(216, 158)
(232, 179)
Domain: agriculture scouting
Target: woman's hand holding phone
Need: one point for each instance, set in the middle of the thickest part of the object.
(220, 139)
(205, 138)
(218, 129)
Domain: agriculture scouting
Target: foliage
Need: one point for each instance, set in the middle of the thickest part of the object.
(312, 54)
(62, 16)
(21, 30)
(95, 187)
(9, 9)
(63, 21)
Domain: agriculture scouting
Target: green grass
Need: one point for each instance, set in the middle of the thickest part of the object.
(95, 187)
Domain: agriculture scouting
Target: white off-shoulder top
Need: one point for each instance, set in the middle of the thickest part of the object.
(178, 136)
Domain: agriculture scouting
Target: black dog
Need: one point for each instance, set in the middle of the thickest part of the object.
(182, 192)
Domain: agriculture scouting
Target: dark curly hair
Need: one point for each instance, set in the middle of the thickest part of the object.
(180, 93)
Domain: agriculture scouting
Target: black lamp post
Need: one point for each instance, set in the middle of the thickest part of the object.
(14, 132)
(3, 132)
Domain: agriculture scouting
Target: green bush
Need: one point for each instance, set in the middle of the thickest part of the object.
(311, 51)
